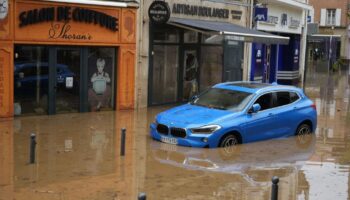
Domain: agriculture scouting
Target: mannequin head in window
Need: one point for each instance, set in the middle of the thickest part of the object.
(100, 63)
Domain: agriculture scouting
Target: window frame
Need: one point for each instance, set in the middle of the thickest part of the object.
(274, 98)
(331, 17)
(271, 101)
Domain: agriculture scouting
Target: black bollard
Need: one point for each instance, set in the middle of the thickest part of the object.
(32, 148)
(274, 189)
(122, 142)
(142, 196)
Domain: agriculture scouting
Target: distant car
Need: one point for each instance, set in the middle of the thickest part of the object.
(237, 112)
(28, 75)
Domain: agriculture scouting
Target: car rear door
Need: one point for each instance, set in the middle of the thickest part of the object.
(260, 125)
(284, 110)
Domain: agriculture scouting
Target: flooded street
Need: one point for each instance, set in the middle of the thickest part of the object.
(78, 156)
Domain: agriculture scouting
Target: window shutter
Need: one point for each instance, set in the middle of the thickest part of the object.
(323, 17)
(338, 17)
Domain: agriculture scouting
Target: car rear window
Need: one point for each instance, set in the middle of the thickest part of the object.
(293, 97)
(285, 97)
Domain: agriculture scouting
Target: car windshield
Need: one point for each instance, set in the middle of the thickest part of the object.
(223, 99)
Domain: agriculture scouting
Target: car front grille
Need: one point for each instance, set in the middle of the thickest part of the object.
(162, 129)
(178, 132)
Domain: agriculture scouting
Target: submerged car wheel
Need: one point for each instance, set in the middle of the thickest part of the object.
(303, 130)
(229, 140)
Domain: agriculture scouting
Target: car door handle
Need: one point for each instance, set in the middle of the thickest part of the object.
(270, 114)
(295, 107)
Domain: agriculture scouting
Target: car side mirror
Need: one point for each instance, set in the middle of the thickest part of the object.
(255, 108)
(194, 98)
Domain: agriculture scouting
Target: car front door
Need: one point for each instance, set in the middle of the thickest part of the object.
(260, 125)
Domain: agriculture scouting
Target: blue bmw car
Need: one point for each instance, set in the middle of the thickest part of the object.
(237, 112)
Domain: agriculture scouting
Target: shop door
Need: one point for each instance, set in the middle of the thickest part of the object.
(190, 74)
(233, 61)
(66, 85)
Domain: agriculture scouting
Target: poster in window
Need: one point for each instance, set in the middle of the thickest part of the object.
(100, 80)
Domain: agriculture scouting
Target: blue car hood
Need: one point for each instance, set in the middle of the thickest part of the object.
(193, 115)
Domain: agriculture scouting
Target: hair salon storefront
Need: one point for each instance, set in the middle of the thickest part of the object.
(66, 57)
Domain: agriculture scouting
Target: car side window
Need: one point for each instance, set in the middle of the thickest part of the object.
(283, 98)
(265, 101)
(293, 97)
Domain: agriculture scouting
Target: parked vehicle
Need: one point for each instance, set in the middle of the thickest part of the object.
(237, 112)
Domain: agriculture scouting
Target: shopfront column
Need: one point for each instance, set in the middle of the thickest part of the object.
(6, 63)
(126, 77)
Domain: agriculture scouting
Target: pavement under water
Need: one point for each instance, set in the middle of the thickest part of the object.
(78, 156)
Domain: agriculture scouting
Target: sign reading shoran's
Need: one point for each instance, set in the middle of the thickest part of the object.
(66, 14)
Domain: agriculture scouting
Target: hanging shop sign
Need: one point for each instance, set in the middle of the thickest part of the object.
(4, 8)
(159, 12)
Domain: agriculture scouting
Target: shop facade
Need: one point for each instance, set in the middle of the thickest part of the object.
(181, 61)
(275, 62)
(67, 57)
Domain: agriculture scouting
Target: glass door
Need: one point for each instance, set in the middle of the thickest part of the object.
(67, 81)
(164, 85)
(190, 74)
(51, 79)
(31, 80)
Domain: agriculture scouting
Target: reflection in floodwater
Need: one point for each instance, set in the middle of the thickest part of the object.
(249, 166)
(78, 157)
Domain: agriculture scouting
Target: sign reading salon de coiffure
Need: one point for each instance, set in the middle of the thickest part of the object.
(160, 11)
(66, 23)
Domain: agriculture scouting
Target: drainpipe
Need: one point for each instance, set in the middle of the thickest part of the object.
(250, 45)
(302, 61)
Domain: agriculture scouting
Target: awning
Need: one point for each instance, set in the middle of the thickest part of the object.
(230, 31)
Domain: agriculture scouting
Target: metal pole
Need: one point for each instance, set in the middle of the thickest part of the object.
(122, 145)
(142, 196)
(274, 189)
(32, 148)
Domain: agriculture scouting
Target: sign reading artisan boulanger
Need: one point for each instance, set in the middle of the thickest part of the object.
(65, 14)
(205, 11)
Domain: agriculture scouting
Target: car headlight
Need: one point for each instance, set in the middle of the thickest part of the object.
(205, 129)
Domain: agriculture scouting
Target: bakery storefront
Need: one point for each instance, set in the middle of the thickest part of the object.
(196, 44)
(66, 57)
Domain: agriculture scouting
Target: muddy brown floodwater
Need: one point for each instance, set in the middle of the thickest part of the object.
(78, 156)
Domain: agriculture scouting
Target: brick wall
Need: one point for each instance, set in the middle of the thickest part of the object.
(331, 4)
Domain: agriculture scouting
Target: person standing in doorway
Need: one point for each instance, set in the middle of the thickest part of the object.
(191, 70)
